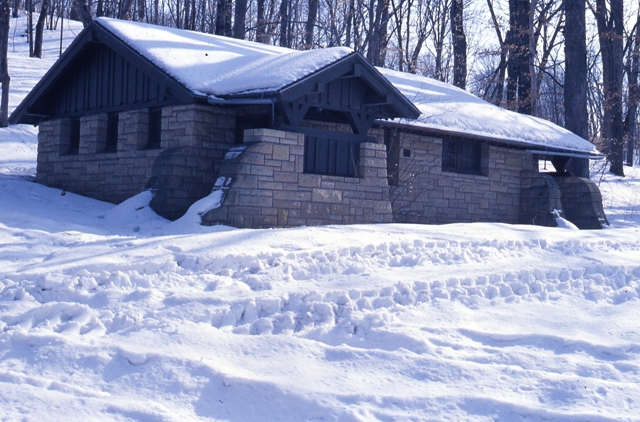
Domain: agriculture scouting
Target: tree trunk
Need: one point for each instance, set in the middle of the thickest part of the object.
(495, 94)
(240, 16)
(531, 71)
(377, 33)
(17, 5)
(4, 65)
(634, 95)
(30, 26)
(220, 8)
(142, 10)
(203, 18)
(519, 83)
(284, 23)
(125, 9)
(156, 4)
(575, 78)
(610, 27)
(459, 44)
(194, 14)
(261, 26)
(185, 15)
(311, 24)
(79, 11)
(37, 48)
(384, 26)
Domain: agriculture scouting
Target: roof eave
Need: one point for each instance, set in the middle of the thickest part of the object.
(532, 147)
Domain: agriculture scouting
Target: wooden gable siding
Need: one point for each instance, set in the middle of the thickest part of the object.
(103, 80)
(339, 94)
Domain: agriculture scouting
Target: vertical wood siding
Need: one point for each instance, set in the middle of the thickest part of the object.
(103, 80)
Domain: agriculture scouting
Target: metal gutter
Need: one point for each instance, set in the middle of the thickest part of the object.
(239, 101)
(566, 154)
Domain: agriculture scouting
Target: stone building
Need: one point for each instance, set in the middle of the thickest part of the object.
(285, 138)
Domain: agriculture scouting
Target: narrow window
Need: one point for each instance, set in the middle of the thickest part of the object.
(112, 133)
(74, 137)
(461, 156)
(392, 143)
(155, 128)
(449, 154)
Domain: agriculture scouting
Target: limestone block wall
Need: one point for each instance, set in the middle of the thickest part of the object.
(539, 197)
(422, 192)
(582, 202)
(204, 133)
(194, 141)
(92, 172)
(264, 185)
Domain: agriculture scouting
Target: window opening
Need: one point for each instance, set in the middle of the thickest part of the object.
(391, 142)
(461, 156)
(154, 129)
(330, 156)
(74, 137)
(112, 133)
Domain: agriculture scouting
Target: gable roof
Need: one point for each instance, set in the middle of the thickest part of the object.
(220, 66)
(446, 108)
(244, 68)
(197, 66)
(223, 67)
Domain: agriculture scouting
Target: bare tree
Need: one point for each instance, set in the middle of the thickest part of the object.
(518, 64)
(547, 24)
(30, 26)
(438, 14)
(377, 34)
(261, 24)
(285, 39)
(4, 65)
(575, 78)
(459, 41)
(37, 47)
(312, 17)
(239, 18)
(79, 11)
(610, 33)
(494, 88)
(633, 97)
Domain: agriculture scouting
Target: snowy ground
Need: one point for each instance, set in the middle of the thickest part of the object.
(112, 313)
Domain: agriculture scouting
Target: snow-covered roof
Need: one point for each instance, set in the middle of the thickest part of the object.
(220, 66)
(445, 107)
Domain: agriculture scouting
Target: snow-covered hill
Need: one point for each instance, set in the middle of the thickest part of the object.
(113, 313)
